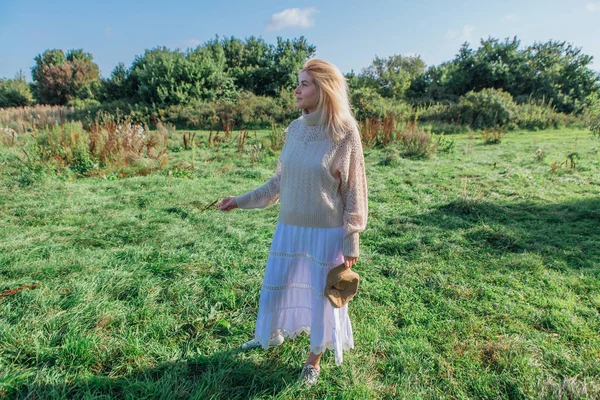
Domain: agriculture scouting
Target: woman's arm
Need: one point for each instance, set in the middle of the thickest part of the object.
(354, 194)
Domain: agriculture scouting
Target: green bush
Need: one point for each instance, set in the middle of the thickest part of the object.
(489, 108)
(83, 103)
(479, 112)
(245, 111)
(595, 126)
(121, 109)
(15, 92)
(367, 104)
(542, 116)
(417, 143)
(444, 113)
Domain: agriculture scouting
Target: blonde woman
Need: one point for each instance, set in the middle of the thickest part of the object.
(321, 184)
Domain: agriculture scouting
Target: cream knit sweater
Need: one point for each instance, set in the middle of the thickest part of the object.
(321, 183)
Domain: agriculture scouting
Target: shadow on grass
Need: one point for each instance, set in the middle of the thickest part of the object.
(565, 235)
(222, 375)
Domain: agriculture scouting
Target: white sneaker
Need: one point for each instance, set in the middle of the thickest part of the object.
(309, 374)
(276, 341)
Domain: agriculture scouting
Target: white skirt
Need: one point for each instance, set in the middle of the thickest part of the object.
(291, 297)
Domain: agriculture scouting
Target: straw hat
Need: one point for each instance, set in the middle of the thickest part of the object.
(341, 285)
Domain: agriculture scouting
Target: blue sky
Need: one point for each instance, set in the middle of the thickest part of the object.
(348, 33)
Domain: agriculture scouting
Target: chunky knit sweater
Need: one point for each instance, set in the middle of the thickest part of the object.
(321, 183)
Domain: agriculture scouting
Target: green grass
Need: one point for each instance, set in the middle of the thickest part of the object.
(480, 279)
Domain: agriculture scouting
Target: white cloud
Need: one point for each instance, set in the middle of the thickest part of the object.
(292, 17)
(108, 31)
(192, 43)
(592, 7)
(463, 34)
(510, 18)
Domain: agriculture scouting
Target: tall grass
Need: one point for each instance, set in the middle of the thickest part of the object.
(28, 119)
(110, 146)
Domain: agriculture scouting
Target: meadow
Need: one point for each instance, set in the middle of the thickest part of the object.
(480, 273)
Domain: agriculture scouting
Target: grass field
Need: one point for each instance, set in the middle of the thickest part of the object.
(480, 279)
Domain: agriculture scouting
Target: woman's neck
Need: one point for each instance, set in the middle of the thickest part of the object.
(311, 118)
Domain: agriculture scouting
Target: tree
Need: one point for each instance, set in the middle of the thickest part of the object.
(116, 87)
(392, 76)
(85, 78)
(288, 58)
(561, 72)
(161, 77)
(60, 78)
(15, 92)
(553, 72)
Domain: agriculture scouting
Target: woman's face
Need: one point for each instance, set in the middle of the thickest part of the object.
(307, 94)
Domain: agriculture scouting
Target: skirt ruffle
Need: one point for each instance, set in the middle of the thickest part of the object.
(291, 298)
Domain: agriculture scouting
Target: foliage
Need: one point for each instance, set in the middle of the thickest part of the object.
(368, 103)
(61, 77)
(595, 125)
(417, 143)
(262, 68)
(554, 72)
(537, 116)
(15, 92)
(109, 144)
(450, 117)
(380, 131)
(217, 71)
(28, 119)
(116, 87)
(276, 137)
(161, 77)
(488, 108)
(83, 103)
(492, 135)
(245, 111)
(390, 77)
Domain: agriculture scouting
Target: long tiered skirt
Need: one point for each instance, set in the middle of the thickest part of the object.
(291, 297)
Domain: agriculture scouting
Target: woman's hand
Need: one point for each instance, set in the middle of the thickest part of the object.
(228, 204)
(349, 261)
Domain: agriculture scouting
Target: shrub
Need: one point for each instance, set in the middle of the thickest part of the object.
(493, 135)
(246, 111)
(368, 104)
(595, 125)
(83, 103)
(379, 132)
(276, 137)
(489, 108)
(15, 92)
(135, 113)
(445, 145)
(114, 144)
(390, 157)
(480, 111)
(439, 112)
(537, 116)
(417, 143)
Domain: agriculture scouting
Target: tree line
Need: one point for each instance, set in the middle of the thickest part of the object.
(227, 69)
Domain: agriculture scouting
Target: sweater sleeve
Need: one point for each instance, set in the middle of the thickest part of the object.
(264, 195)
(354, 194)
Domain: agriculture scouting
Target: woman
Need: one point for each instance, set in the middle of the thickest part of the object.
(320, 180)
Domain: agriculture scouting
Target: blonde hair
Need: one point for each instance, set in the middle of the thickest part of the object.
(334, 102)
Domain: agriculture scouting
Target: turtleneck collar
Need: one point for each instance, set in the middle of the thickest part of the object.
(311, 119)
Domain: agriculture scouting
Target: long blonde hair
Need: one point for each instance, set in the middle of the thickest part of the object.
(334, 103)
